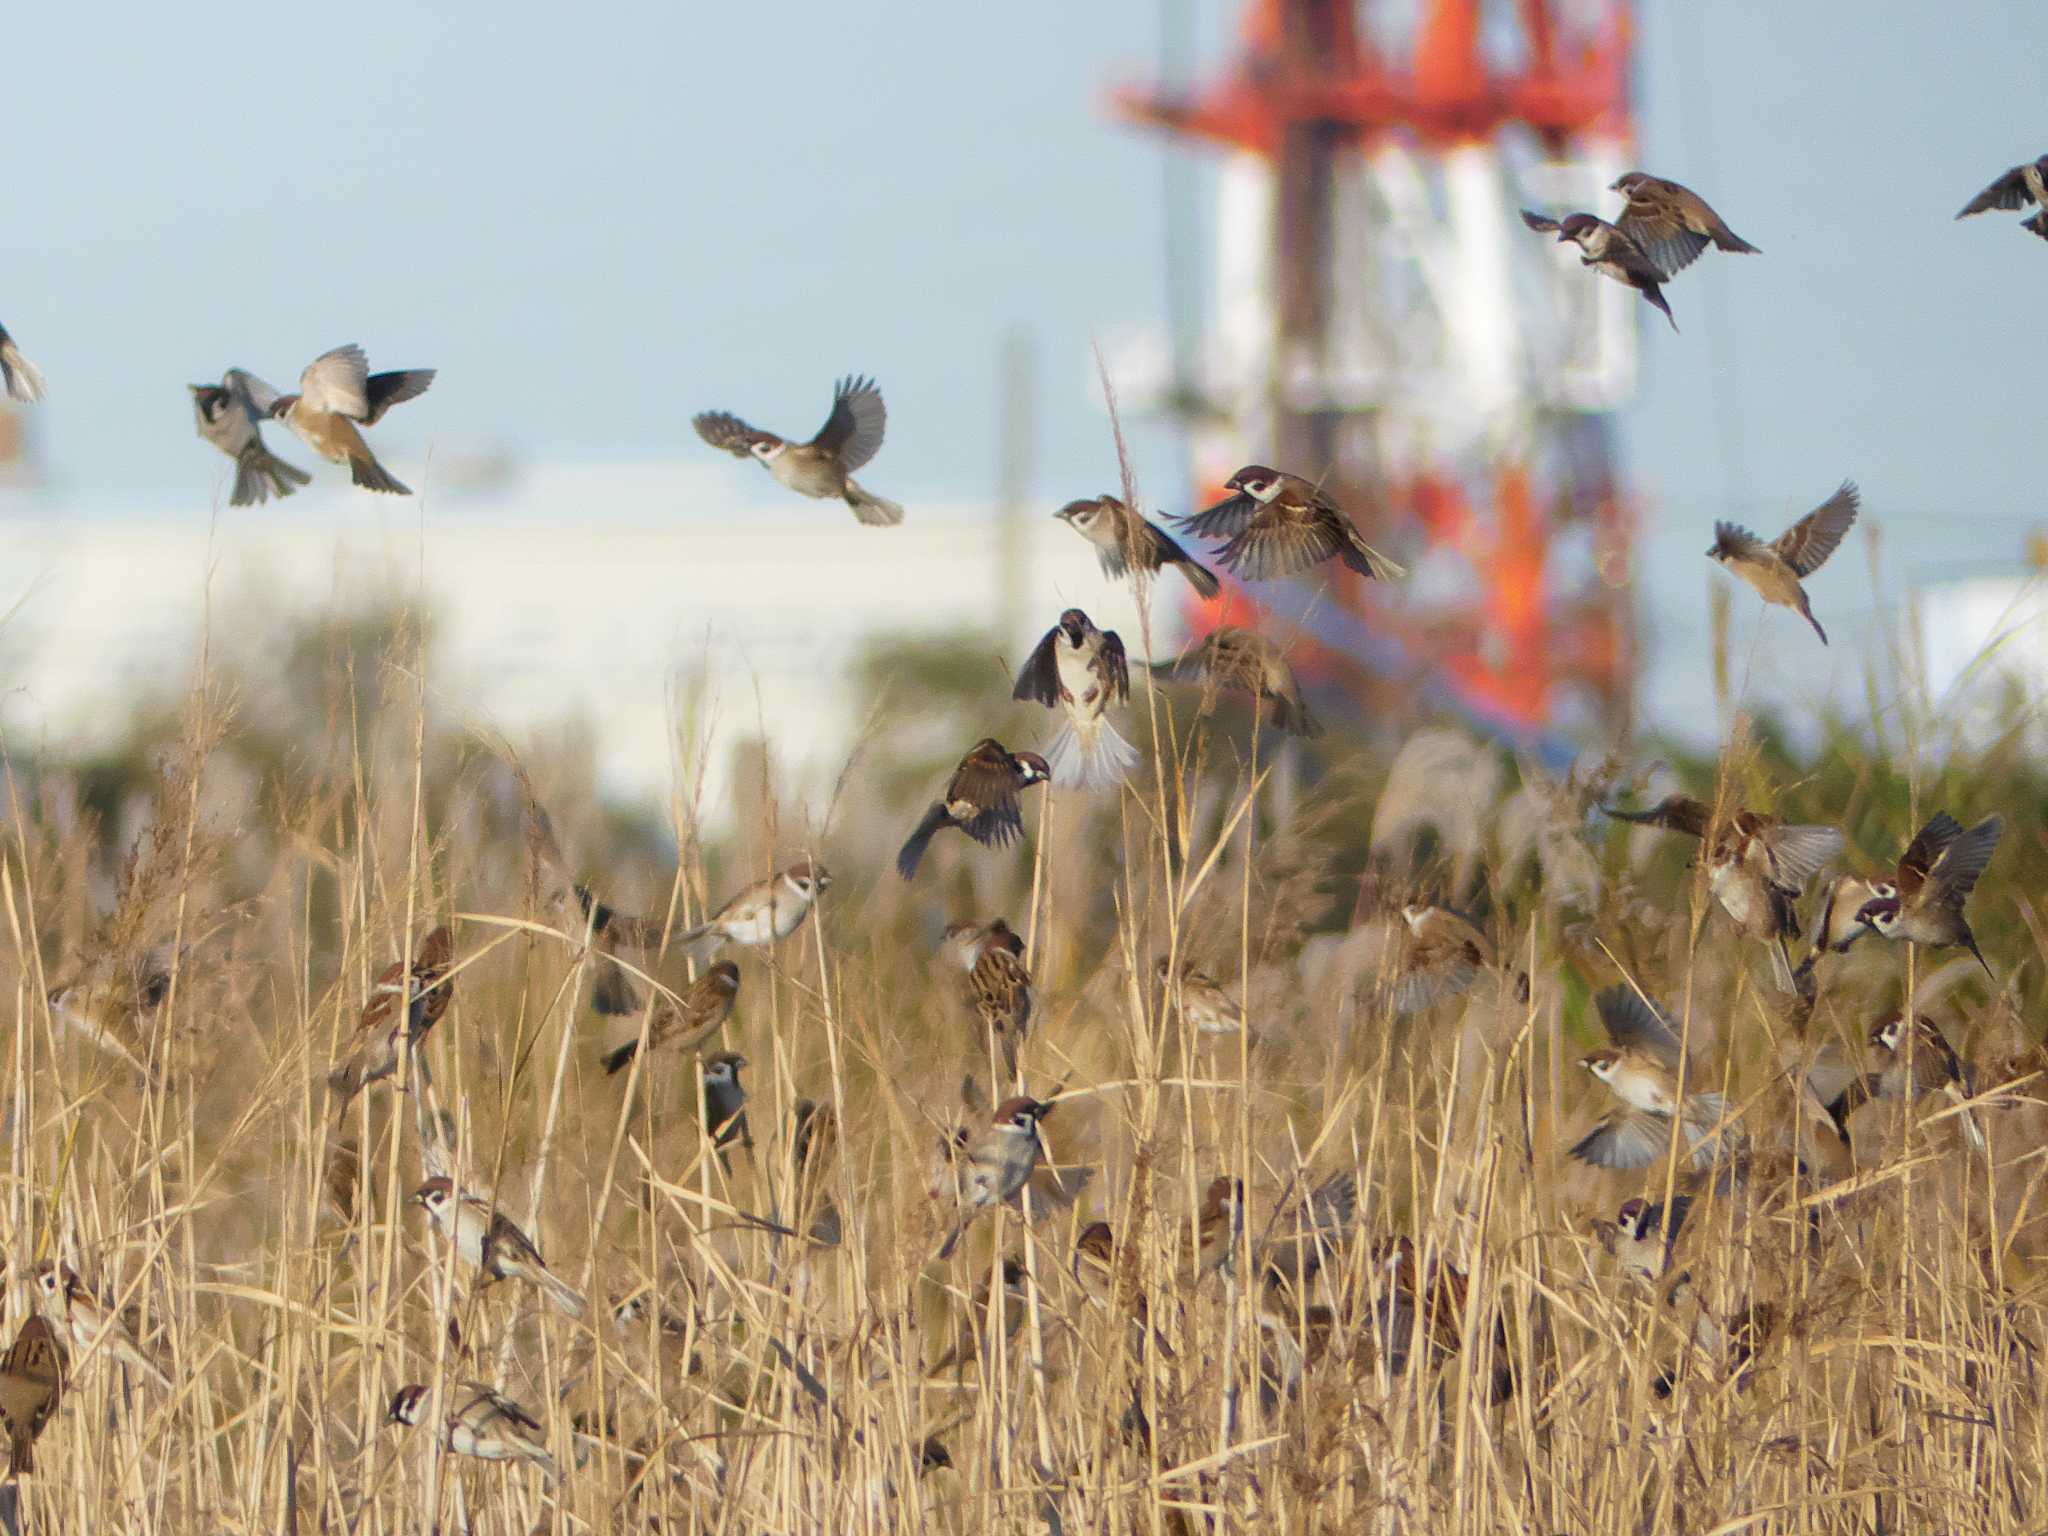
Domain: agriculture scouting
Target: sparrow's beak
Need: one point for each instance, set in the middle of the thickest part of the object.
(1563, 238)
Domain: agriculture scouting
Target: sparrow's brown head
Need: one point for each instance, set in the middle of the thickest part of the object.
(408, 1405)
(1255, 481)
(1881, 914)
(1223, 1194)
(723, 1066)
(1075, 625)
(436, 1194)
(1021, 1112)
(1627, 182)
(931, 1456)
(1096, 1242)
(1031, 768)
(1631, 1215)
(808, 877)
(725, 975)
(1575, 227)
(1601, 1064)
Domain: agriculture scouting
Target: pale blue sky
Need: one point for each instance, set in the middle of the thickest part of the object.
(596, 223)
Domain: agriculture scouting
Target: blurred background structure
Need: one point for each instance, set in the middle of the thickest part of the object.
(1342, 286)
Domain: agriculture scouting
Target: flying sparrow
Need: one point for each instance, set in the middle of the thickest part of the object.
(725, 1101)
(337, 395)
(1081, 670)
(1442, 956)
(486, 1239)
(1757, 866)
(1281, 525)
(113, 999)
(765, 911)
(1202, 1003)
(980, 799)
(86, 1323)
(1917, 1064)
(1609, 252)
(1125, 541)
(488, 1425)
(1301, 1239)
(998, 1163)
(1923, 903)
(229, 416)
(31, 1380)
(998, 982)
(1244, 659)
(1642, 1069)
(705, 1006)
(822, 468)
(2021, 185)
(1775, 569)
(976, 1323)
(1839, 922)
(1671, 224)
(1642, 1239)
(425, 991)
(23, 380)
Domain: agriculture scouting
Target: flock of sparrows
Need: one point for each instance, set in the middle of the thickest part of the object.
(1272, 525)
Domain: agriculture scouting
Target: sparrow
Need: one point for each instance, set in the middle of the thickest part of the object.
(823, 467)
(1125, 541)
(980, 799)
(725, 1101)
(1301, 1239)
(1281, 525)
(229, 416)
(1609, 252)
(426, 990)
(612, 993)
(31, 1380)
(1642, 1069)
(1218, 1221)
(23, 379)
(1930, 1066)
(1441, 957)
(337, 394)
(1429, 1303)
(1757, 866)
(486, 1239)
(1244, 659)
(86, 1323)
(998, 982)
(765, 911)
(1081, 670)
(1775, 569)
(705, 1006)
(341, 1179)
(112, 1001)
(1839, 922)
(2021, 185)
(998, 1163)
(1202, 1003)
(488, 1425)
(1671, 224)
(1641, 1238)
(813, 1140)
(977, 1323)
(641, 1318)
(1923, 903)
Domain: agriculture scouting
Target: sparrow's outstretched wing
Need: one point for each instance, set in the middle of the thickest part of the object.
(854, 429)
(1806, 545)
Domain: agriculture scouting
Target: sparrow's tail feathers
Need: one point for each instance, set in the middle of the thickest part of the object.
(1655, 294)
(564, 1295)
(344, 1083)
(1292, 716)
(612, 994)
(1200, 577)
(875, 511)
(1726, 239)
(1098, 759)
(261, 474)
(617, 1061)
(953, 1237)
(913, 850)
(1367, 561)
(23, 379)
(1808, 613)
(372, 476)
(1781, 956)
(700, 940)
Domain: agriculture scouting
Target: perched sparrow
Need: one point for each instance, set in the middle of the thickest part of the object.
(1428, 1304)
(1642, 1070)
(1202, 1003)
(2021, 185)
(998, 983)
(1442, 957)
(488, 1425)
(980, 799)
(1219, 1220)
(24, 381)
(337, 394)
(814, 1138)
(1609, 252)
(706, 1005)
(1081, 669)
(1923, 904)
(487, 1240)
(31, 1380)
(823, 467)
(725, 1101)
(1776, 569)
(1757, 866)
(1125, 541)
(1244, 659)
(765, 911)
(641, 1317)
(229, 416)
(1671, 224)
(997, 1164)
(426, 992)
(977, 1323)
(1919, 1064)
(341, 1180)
(1642, 1239)
(86, 1323)
(1281, 525)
